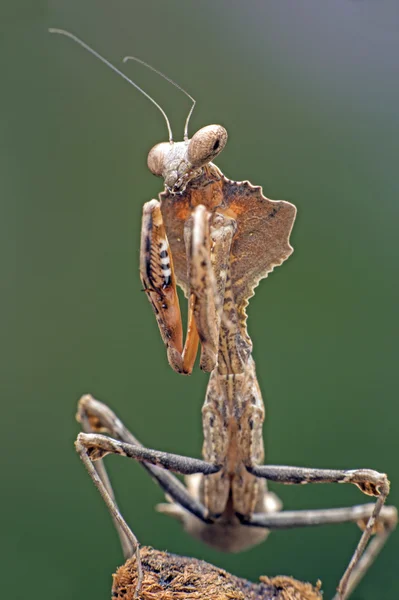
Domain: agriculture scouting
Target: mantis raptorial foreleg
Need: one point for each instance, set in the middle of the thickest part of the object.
(203, 294)
(158, 277)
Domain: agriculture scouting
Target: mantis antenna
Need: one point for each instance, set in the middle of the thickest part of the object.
(141, 62)
(111, 66)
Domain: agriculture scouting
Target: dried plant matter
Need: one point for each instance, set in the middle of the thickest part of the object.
(170, 577)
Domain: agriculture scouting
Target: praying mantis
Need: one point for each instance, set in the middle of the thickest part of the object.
(216, 239)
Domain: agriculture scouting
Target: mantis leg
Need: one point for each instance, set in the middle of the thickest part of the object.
(97, 417)
(208, 254)
(365, 552)
(202, 285)
(207, 250)
(373, 517)
(370, 482)
(159, 282)
(97, 446)
(129, 542)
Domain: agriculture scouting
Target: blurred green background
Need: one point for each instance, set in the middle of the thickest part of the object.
(309, 93)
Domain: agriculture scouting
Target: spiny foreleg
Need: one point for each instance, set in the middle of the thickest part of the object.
(207, 249)
(159, 282)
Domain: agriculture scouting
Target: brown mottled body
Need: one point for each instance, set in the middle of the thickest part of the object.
(249, 236)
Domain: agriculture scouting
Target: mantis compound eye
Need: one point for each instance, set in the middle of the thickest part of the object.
(156, 158)
(206, 144)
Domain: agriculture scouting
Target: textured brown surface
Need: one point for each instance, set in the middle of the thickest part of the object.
(171, 577)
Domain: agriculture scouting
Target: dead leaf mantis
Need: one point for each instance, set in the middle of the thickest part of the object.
(217, 239)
